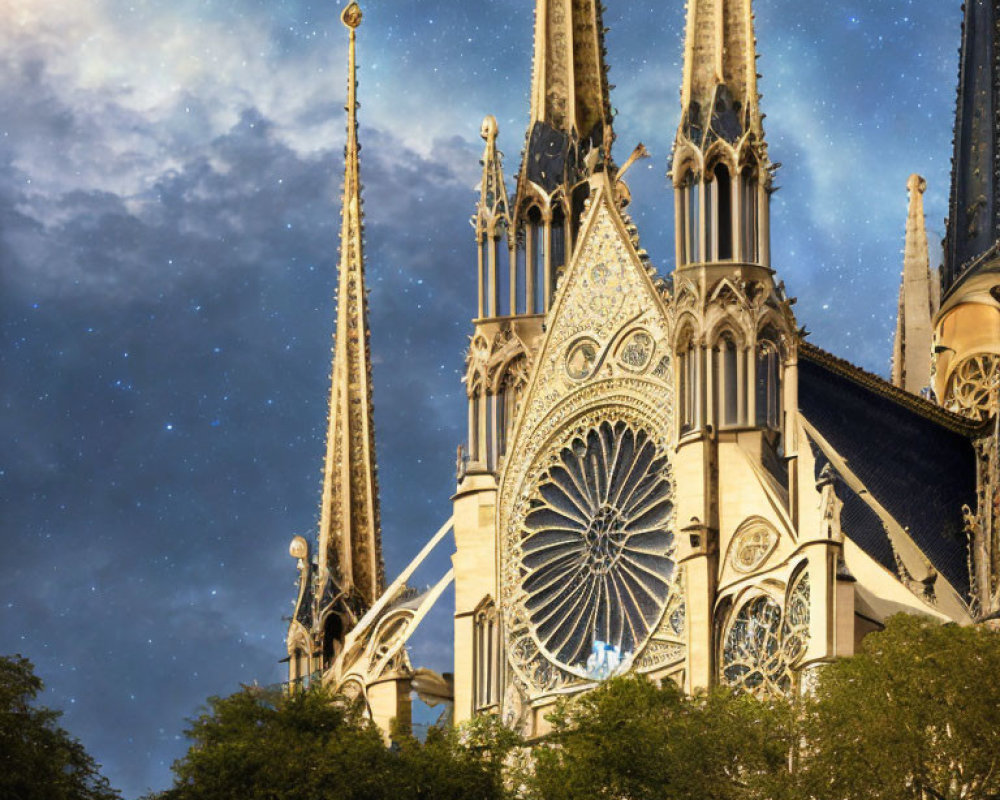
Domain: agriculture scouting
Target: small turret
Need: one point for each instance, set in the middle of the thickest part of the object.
(911, 360)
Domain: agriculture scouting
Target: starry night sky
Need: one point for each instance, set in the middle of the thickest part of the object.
(169, 206)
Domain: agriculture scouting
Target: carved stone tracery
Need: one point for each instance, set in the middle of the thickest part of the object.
(586, 506)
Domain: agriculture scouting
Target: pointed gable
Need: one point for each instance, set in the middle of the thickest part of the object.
(591, 458)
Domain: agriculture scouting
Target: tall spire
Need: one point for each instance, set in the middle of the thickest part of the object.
(569, 88)
(719, 97)
(911, 362)
(350, 547)
(570, 105)
(974, 214)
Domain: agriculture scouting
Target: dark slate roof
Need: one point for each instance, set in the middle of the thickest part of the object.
(917, 465)
(974, 213)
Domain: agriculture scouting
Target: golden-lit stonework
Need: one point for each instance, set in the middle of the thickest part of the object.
(587, 513)
(660, 474)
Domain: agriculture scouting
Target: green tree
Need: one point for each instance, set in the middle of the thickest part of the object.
(312, 745)
(629, 739)
(38, 759)
(916, 714)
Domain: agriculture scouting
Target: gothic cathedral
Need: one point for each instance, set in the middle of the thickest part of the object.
(661, 475)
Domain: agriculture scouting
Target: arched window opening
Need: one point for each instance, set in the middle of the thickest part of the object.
(688, 374)
(558, 260)
(474, 414)
(484, 277)
(487, 675)
(501, 420)
(727, 384)
(536, 259)
(692, 219)
(768, 388)
(724, 213)
(333, 639)
(505, 278)
(748, 228)
(520, 273)
(490, 443)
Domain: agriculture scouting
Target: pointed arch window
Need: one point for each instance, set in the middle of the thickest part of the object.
(723, 190)
(536, 247)
(520, 268)
(691, 198)
(484, 276)
(727, 381)
(506, 280)
(558, 249)
(750, 214)
(475, 417)
(768, 382)
(486, 657)
(689, 378)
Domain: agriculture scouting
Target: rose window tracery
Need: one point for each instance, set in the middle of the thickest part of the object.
(763, 644)
(973, 385)
(597, 545)
(752, 656)
(795, 629)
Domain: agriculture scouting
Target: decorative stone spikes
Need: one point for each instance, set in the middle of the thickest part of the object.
(719, 96)
(350, 547)
(492, 210)
(974, 213)
(911, 363)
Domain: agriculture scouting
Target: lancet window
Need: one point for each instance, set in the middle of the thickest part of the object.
(558, 252)
(749, 202)
(689, 384)
(728, 382)
(690, 219)
(535, 259)
(767, 400)
(722, 204)
(486, 657)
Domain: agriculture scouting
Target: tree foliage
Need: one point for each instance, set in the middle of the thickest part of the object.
(916, 714)
(311, 744)
(38, 759)
(632, 739)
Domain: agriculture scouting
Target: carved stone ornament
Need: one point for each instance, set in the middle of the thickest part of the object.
(972, 388)
(764, 644)
(589, 580)
(754, 541)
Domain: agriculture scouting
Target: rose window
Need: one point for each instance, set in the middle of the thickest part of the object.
(596, 544)
(972, 387)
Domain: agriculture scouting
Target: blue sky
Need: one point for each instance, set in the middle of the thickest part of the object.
(169, 185)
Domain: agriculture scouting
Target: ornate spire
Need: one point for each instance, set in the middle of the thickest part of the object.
(719, 98)
(350, 547)
(570, 106)
(974, 214)
(720, 167)
(492, 223)
(911, 362)
(569, 88)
